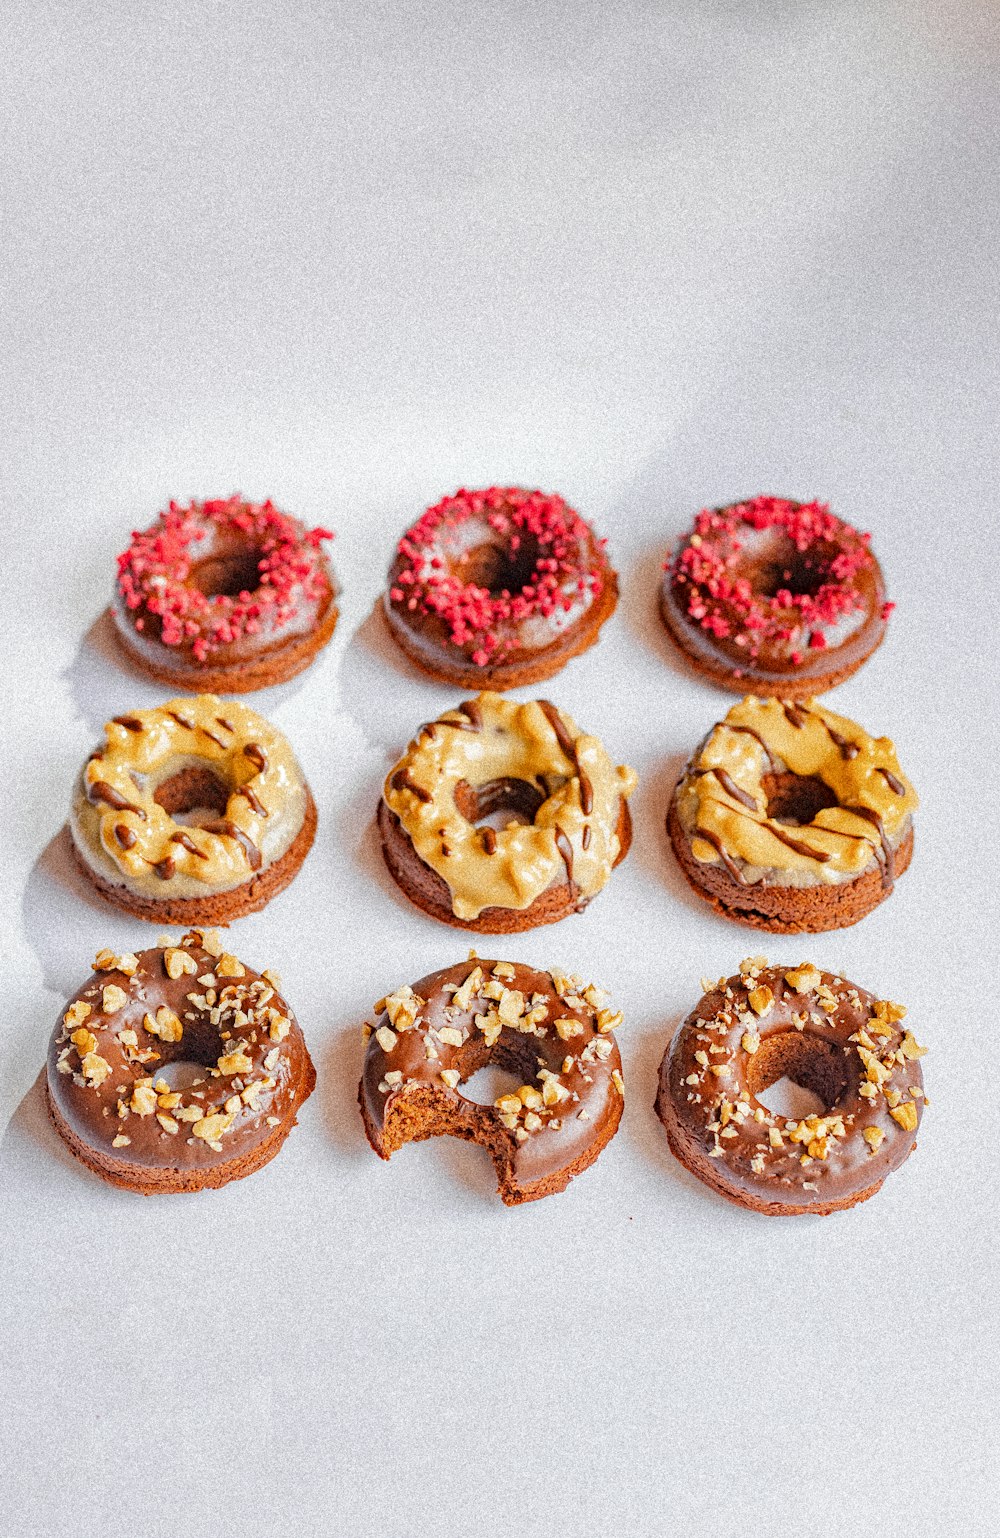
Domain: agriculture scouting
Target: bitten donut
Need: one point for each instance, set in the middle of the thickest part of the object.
(225, 595)
(177, 1068)
(552, 1031)
(789, 818)
(498, 588)
(193, 812)
(776, 596)
(824, 1034)
(563, 802)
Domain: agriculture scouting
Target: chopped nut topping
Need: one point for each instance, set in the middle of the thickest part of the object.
(278, 1025)
(450, 1036)
(143, 1101)
(608, 1020)
(113, 999)
(510, 1105)
(179, 963)
(804, 979)
(504, 969)
(77, 1013)
(906, 1115)
(166, 1025)
(618, 1081)
(463, 994)
(403, 1008)
(451, 1077)
(874, 1137)
(386, 1038)
(211, 941)
(167, 1123)
(95, 1069)
(84, 1041)
(121, 1141)
(909, 1048)
(750, 1042)
(211, 1128)
(760, 1000)
(228, 966)
(567, 1028)
(235, 1062)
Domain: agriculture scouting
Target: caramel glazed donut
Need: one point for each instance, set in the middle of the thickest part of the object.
(790, 818)
(225, 595)
(567, 802)
(781, 597)
(498, 588)
(552, 1030)
(120, 1097)
(826, 1035)
(251, 815)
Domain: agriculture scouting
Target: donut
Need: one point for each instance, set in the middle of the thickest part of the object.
(193, 812)
(776, 596)
(177, 1068)
(824, 1034)
(552, 1031)
(789, 818)
(498, 588)
(225, 595)
(559, 804)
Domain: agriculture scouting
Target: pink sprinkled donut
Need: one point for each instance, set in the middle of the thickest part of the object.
(498, 588)
(777, 597)
(225, 596)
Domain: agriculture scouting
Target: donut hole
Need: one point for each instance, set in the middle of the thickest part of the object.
(777, 565)
(192, 796)
(226, 576)
(186, 1072)
(487, 1084)
(496, 567)
(796, 799)
(498, 804)
(810, 1064)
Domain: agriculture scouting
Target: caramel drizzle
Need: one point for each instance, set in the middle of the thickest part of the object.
(224, 723)
(794, 714)
(100, 790)
(212, 737)
(181, 721)
(401, 781)
(129, 722)
(568, 747)
(255, 753)
(896, 786)
(724, 855)
(585, 840)
(125, 835)
(230, 830)
(772, 762)
(820, 855)
(165, 868)
(883, 849)
(730, 786)
(254, 801)
(470, 709)
(188, 843)
(848, 749)
(565, 848)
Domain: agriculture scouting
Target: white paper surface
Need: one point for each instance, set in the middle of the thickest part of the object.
(350, 257)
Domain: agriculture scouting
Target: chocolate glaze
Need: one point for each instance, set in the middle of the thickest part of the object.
(82, 1107)
(812, 1045)
(544, 1161)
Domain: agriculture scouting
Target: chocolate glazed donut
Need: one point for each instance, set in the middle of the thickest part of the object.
(552, 1031)
(176, 1069)
(824, 1034)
